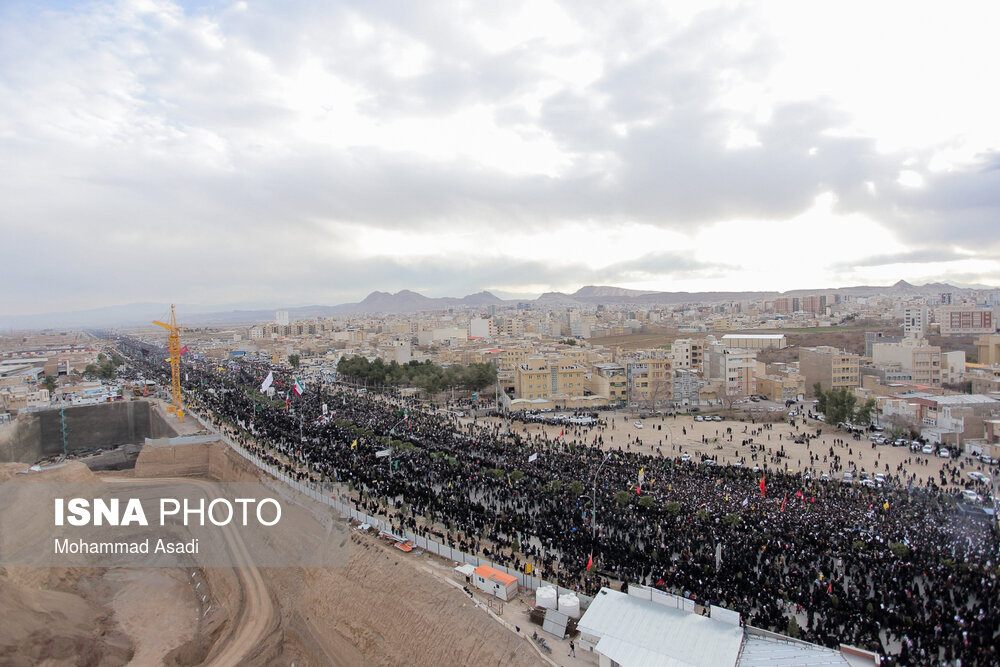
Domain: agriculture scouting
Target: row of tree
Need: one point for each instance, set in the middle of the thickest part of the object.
(841, 405)
(105, 368)
(427, 376)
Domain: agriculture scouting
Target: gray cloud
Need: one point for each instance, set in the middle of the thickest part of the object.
(160, 151)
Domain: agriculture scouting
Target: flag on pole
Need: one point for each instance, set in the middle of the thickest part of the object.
(562, 433)
(184, 349)
(762, 487)
(783, 502)
(746, 501)
(829, 589)
(298, 387)
(268, 381)
(590, 562)
(288, 403)
(533, 457)
(354, 444)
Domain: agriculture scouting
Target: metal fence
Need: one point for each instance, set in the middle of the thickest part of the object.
(427, 544)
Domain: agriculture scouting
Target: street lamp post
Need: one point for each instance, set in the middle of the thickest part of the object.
(593, 499)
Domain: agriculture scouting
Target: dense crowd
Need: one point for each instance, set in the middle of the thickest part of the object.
(900, 571)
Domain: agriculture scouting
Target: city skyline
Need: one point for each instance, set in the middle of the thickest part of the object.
(221, 153)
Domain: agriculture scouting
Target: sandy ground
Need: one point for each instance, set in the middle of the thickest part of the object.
(160, 599)
(675, 436)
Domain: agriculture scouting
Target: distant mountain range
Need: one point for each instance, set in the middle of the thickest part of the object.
(406, 301)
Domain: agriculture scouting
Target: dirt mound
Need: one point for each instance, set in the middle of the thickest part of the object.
(71, 471)
(43, 626)
(385, 609)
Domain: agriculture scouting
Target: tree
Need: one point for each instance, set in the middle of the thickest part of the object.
(820, 397)
(293, 359)
(623, 497)
(865, 413)
(49, 383)
(576, 488)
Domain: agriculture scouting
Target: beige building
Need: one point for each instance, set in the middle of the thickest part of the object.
(609, 379)
(650, 381)
(955, 320)
(553, 379)
(830, 367)
(988, 349)
(914, 355)
(735, 368)
(755, 341)
(688, 353)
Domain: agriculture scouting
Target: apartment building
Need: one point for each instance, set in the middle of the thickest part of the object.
(988, 349)
(549, 379)
(957, 320)
(830, 367)
(733, 367)
(915, 321)
(815, 304)
(688, 353)
(914, 355)
(609, 379)
(650, 381)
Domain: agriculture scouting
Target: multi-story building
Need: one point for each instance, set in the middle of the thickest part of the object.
(755, 341)
(609, 379)
(956, 320)
(786, 305)
(988, 349)
(915, 321)
(830, 367)
(688, 353)
(687, 387)
(735, 368)
(815, 304)
(549, 379)
(650, 381)
(923, 361)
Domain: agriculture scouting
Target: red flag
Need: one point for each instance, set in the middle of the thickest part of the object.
(184, 349)
(829, 589)
(288, 402)
(562, 433)
(762, 487)
(590, 562)
(783, 502)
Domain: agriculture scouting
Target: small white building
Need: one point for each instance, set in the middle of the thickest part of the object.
(493, 581)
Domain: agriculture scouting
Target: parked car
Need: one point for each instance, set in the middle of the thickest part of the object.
(928, 449)
(637, 424)
(944, 453)
(685, 457)
(880, 478)
(970, 496)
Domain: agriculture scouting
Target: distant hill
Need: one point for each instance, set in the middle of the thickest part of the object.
(408, 301)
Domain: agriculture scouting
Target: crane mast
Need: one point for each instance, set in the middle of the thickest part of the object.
(174, 348)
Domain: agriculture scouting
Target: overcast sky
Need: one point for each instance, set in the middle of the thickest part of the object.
(309, 152)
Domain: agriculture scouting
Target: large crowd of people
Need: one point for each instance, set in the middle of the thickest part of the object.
(898, 570)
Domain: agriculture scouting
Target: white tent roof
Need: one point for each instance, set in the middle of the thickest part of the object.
(641, 632)
(759, 652)
(465, 570)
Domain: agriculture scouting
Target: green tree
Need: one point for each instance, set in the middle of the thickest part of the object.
(865, 412)
(49, 383)
(820, 397)
(623, 497)
(293, 359)
(576, 488)
(646, 501)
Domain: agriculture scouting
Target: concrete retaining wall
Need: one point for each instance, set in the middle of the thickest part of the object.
(36, 435)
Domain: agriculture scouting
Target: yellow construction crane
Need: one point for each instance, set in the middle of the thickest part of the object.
(174, 346)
